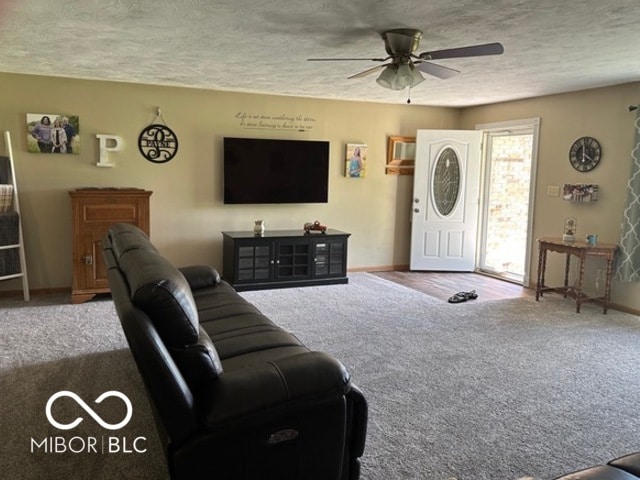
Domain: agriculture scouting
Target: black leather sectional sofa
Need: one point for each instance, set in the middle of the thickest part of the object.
(623, 468)
(234, 396)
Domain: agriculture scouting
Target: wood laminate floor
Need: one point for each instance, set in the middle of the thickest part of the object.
(443, 285)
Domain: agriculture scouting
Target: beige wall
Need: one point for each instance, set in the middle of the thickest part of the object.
(187, 214)
(599, 113)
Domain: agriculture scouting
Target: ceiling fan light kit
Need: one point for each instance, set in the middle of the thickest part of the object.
(396, 77)
(405, 66)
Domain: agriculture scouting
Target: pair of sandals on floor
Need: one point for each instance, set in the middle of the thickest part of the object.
(463, 297)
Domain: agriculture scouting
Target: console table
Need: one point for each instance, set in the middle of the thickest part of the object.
(284, 258)
(582, 250)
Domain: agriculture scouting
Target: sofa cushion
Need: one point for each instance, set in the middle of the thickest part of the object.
(601, 472)
(200, 276)
(629, 463)
(198, 363)
(161, 291)
(125, 237)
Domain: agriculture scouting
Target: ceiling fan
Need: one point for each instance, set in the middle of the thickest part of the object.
(405, 66)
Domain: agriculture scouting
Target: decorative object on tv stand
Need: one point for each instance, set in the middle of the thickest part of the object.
(158, 143)
(258, 228)
(314, 227)
(570, 225)
(580, 192)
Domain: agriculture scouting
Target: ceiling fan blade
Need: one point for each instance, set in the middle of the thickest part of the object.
(367, 72)
(346, 59)
(436, 70)
(470, 51)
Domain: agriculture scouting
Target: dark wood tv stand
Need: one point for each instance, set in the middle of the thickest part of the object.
(284, 258)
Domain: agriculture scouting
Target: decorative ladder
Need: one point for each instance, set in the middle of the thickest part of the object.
(8, 176)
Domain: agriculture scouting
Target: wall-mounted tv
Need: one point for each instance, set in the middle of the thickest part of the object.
(275, 171)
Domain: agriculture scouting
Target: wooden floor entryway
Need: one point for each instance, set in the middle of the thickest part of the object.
(442, 285)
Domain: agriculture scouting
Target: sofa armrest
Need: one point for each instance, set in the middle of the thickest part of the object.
(200, 276)
(240, 393)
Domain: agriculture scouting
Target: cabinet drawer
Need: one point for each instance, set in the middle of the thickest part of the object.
(110, 213)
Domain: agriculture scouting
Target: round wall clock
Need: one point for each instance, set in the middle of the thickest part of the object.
(585, 154)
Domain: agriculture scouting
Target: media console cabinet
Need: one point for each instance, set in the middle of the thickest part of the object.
(284, 258)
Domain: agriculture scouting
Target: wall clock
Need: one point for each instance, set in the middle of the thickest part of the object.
(585, 154)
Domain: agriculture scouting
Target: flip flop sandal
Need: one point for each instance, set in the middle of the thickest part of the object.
(458, 298)
(463, 297)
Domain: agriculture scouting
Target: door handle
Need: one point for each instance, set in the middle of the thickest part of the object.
(87, 260)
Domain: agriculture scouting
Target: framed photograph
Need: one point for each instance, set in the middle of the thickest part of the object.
(580, 192)
(356, 160)
(401, 155)
(53, 133)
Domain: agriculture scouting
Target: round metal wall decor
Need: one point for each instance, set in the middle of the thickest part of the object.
(158, 143)
(446, 182)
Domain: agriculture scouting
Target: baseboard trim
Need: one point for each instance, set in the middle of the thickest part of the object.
(34, 291)
(380, 268)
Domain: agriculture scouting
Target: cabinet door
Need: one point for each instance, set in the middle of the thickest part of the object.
(94, 211)
(293, 259)
(90, 272)
(330, 257)
(254, 262)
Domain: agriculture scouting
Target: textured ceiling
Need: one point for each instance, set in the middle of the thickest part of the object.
(551, 46)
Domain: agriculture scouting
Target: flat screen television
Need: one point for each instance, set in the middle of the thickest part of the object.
(275, 171)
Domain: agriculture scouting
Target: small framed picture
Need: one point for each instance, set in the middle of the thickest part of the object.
(356, 160)
(53, 133)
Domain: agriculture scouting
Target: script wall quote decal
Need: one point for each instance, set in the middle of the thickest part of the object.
(280, 121)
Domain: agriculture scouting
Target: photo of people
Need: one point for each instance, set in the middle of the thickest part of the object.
(580, 192)
(356, 160)
(53, 133)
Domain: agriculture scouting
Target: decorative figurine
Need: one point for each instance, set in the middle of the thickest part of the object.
(314, 226)
(258, 228)
(569, 229)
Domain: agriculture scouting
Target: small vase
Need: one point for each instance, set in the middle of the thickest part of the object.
(258, 229)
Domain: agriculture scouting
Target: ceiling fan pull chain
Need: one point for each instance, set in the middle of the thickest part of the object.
(409, 96)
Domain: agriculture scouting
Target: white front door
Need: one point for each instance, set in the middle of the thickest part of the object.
(445, 200)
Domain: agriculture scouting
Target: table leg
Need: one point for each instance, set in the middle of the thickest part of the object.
(567, 264)
(607, 288)
(542, 263)
(580, 281)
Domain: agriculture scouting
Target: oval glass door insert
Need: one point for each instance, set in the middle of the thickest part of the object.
(446, 182)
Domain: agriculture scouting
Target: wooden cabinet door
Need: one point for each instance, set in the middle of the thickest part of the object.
(94, 211)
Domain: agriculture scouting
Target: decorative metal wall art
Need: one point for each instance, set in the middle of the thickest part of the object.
(158, 143)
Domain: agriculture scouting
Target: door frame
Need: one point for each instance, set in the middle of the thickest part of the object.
(487, 128)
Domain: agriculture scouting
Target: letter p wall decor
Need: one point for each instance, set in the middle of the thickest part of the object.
(108, 143)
